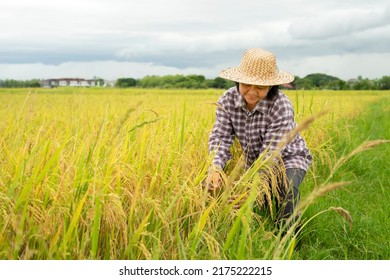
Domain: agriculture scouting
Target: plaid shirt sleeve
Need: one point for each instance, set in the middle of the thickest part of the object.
(281, 122)
(222, 135)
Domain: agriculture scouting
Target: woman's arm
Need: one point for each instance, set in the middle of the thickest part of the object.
(221, 138)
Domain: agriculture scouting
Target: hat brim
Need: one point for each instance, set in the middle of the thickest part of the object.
(234, 74)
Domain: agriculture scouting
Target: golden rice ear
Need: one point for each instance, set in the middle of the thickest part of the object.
(319, 192)
(367, 145)
(344, 213)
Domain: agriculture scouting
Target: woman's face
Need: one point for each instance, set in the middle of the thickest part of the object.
(253, 93)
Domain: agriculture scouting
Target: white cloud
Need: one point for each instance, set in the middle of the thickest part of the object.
(55, 37)
(110, 70)
(345, 67)
(339, 23)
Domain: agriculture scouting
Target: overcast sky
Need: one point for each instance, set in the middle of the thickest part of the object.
(132, 38)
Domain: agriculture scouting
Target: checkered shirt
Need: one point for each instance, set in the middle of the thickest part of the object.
(264, 126)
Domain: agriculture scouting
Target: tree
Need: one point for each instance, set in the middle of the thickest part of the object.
(126, 82)
(99, 82)
(384, 83)
(149, 82)
(19, 84)
(221, 83)
(322, 81)
(361, 84)
(302, 83)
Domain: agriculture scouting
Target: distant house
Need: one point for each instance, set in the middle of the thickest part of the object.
(67, 82)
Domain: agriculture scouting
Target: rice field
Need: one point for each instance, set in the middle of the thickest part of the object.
(118, 173)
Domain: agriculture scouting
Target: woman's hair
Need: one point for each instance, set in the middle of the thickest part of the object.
(271, 93)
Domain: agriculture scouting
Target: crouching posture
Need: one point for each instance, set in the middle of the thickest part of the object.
(259, 114)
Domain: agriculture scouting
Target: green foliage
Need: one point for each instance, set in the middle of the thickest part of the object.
(362, 84)
(366, 199)
(384, 83)
(175, 81)
(319, 81)
(309, 82)
(99, 81)
(221, 83)
(323, 81)
(19, 84)
(126, 82)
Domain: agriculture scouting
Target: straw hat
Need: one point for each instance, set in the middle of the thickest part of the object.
(258, 67)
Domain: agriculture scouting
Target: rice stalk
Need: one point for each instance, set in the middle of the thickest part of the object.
(367, 145)
(303, 125)
(194, 237)
(343, 213)
(72, 227)
(96, 228)
(319, 192)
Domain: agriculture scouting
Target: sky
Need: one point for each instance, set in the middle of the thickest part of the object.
(112, 39)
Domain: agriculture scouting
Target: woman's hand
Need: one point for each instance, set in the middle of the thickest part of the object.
(239, 203)
(214, 181)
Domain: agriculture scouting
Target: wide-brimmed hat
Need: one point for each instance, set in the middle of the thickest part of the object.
(258, 67)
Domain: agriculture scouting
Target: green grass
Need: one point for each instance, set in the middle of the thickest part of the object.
(367, 198)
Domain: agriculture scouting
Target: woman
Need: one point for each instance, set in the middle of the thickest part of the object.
(259, 115)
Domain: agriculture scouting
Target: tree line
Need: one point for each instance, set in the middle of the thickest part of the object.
(19, 84)
(174, 81)
(309, 82)
(323, 81)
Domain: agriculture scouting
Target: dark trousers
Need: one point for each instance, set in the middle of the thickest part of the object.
(289, 195)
